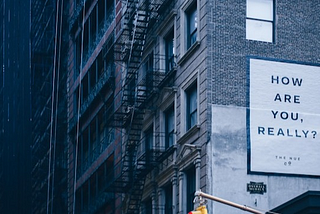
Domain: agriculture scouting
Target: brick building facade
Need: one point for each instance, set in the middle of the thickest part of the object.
(164, 99)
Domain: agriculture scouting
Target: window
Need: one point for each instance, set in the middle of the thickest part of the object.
(93, 187)
(147, 207)
(260, 20)
(148, 139)
(85, 194)
(148, 143)
(131, 91)
(76, 97)
(192, 25)
(191, 107)
(85, 88)
(93, 25)
(109, 63)
(169, 127)
(101, 127)
(93, 138)
(169, 52)
(85, 146)
(77, 47)
(168, 199)
(86, 39)
(101, 176)
(148, 64)
(101, 12)
(148, 71)
(109, 169)
(78, 200)
(92, 77)
(191, 187)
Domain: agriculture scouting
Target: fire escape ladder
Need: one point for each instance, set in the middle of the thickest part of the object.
(128, 49)
(130, 109)
(130, 151)
(137, 30)
(131, 100)
(134, 196)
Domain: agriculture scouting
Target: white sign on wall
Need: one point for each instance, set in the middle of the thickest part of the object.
(284, 117)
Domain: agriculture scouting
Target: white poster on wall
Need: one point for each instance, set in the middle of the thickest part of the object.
(284, 117)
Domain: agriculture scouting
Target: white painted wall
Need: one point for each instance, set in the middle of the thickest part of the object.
(227, 167)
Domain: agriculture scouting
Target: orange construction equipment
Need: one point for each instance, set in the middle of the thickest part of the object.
(199, 210)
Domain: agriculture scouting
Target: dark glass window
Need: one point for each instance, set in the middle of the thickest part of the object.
(85, 88)
(148, 69)
(85, 145)
(85, 194)
(101, 128)
(78, 55)
(169, 127)
(192, 25)
(148, 139)
(131, 91)
(92, 76)
(147, 206)
(101, 176)
(78, 201)
(93, 187)
(191, 187)
(168, 199)
(148, 143)
(86, 41)
(101, 13)
(191, 106)
(169, 43)
(93, 26)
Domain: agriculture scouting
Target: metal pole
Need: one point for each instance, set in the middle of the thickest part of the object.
(242, 207)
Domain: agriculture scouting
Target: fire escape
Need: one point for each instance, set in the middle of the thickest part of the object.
(133, 96)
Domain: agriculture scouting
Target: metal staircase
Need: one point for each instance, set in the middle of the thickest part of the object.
(131, 96)
(129, 49)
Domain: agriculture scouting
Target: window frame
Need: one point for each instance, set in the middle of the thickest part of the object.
(190, 175)
(169, 100)
(261, 20)
(169, 114)
(148, 139)
(193, 79)
(148, 71)
(147, 143)
(168, 199)
(191, 109)
(185, 8)
(192, 19)
(147, 206)
(169, 44)
(165, 29)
